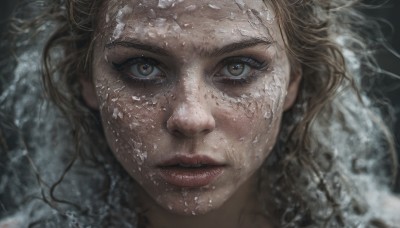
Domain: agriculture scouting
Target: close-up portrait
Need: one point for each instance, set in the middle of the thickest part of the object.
(199, 114)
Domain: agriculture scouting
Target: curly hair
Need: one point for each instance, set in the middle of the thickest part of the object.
(334, 158)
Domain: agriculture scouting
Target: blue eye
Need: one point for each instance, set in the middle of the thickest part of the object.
(140, 69)
(144, 70)
(240, 70)
(236, 70)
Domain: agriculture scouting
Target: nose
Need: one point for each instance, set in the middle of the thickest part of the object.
(190, 118)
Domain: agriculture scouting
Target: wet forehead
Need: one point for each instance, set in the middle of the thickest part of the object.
(172, 8)
(192, 20)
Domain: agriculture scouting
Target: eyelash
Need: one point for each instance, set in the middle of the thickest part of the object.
(123, 69)
(253, 64)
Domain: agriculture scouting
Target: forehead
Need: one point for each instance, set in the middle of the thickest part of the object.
(210, 8)
(191, 20)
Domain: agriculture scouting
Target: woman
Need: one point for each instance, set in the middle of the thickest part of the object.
(196, 114)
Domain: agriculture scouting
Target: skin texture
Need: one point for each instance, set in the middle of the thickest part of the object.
(191, 104)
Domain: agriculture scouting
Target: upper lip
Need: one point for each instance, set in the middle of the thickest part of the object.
(190, 161)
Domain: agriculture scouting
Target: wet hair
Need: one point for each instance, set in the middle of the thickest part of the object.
(332, 164)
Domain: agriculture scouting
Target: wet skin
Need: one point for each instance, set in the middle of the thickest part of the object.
(197, 78)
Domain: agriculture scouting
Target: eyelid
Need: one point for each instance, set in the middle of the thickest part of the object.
(123, 69)
(255, 66)
(135, 60)
(250, 61)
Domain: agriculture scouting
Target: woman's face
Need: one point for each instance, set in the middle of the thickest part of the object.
(191, 95)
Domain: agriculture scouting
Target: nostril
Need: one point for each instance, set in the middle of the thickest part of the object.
(190, 123)
(176, 133)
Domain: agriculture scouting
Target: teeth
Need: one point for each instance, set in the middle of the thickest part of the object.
(190, 166)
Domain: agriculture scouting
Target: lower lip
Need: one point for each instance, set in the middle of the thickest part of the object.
(190, 177)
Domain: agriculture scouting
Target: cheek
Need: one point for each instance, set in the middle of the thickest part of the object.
(132, 125)
(252, 121)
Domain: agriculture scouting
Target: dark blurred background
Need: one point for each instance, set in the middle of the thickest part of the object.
(390, 87)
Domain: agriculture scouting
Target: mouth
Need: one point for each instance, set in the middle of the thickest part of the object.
(190, 172)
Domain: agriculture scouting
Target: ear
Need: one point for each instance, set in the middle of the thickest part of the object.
(293, 88)
(89, 93)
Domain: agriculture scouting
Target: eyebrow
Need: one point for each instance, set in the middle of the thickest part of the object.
(137, 44)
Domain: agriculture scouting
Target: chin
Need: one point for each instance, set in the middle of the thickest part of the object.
(190, 201)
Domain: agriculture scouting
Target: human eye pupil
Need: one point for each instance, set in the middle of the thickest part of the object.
(236, 69)
(145, 69)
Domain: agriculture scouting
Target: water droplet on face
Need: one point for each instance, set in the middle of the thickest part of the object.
(135, 98)
(152, 14)
(115, 113)
(151, 34)
(214, 7)
(240, 3)
(270, 17)
(119, 19)
(190, 8)
(267, 115)
(163, 4)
